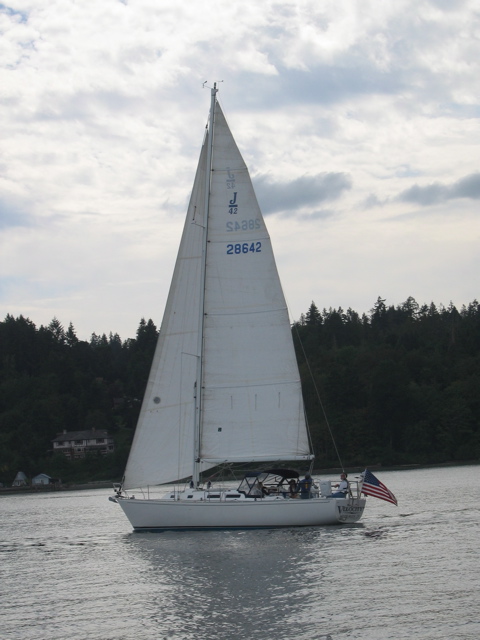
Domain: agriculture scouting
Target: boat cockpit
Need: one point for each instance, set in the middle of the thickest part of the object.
(272, 482)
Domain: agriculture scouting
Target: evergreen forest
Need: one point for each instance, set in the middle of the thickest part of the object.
(397, 386)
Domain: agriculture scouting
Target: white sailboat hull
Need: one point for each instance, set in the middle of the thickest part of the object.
(162, 514)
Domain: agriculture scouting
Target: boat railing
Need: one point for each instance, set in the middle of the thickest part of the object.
(321, 489)
(327, 488)
(355, 487)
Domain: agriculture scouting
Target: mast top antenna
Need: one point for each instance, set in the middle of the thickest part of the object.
(214, 86)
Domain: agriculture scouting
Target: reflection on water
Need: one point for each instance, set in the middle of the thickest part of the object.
(72, 568)
(254, 582)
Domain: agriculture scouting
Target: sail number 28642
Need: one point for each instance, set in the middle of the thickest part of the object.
(244, 247)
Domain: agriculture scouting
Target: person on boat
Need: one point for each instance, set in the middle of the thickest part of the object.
(342, 487)
(305, 486)
(258, 490)
(263, 490)
(293, 490)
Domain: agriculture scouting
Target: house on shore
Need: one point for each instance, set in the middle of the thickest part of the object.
(42, 479)
(77, 444)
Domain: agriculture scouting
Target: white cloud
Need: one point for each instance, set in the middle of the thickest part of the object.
(363, 116)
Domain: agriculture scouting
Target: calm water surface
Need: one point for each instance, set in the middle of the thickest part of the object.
(71, 568)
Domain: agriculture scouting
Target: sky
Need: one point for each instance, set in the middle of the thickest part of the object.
(359, 122)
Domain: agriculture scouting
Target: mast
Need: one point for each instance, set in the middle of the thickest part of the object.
(201, 319)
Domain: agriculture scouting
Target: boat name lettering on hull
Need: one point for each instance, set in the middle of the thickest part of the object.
(349, 513)
(350, 509)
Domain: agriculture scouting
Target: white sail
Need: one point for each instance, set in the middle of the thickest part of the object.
(162, 449)
(251, 405)
(252, 402)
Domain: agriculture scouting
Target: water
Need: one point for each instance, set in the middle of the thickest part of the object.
(71, 568)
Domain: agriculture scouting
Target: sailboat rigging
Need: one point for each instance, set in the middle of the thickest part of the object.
(224, 386)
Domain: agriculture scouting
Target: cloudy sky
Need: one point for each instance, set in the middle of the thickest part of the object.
(359, 121)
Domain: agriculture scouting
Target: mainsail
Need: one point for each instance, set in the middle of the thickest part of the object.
(243, 364)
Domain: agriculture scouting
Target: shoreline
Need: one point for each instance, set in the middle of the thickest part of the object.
(81, 486)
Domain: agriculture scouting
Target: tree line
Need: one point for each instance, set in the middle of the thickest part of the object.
(399, 385)
(51, 381)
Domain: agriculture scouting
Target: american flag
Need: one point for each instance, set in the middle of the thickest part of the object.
(373, 487)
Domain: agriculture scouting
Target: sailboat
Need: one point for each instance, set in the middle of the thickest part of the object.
(224, 385)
